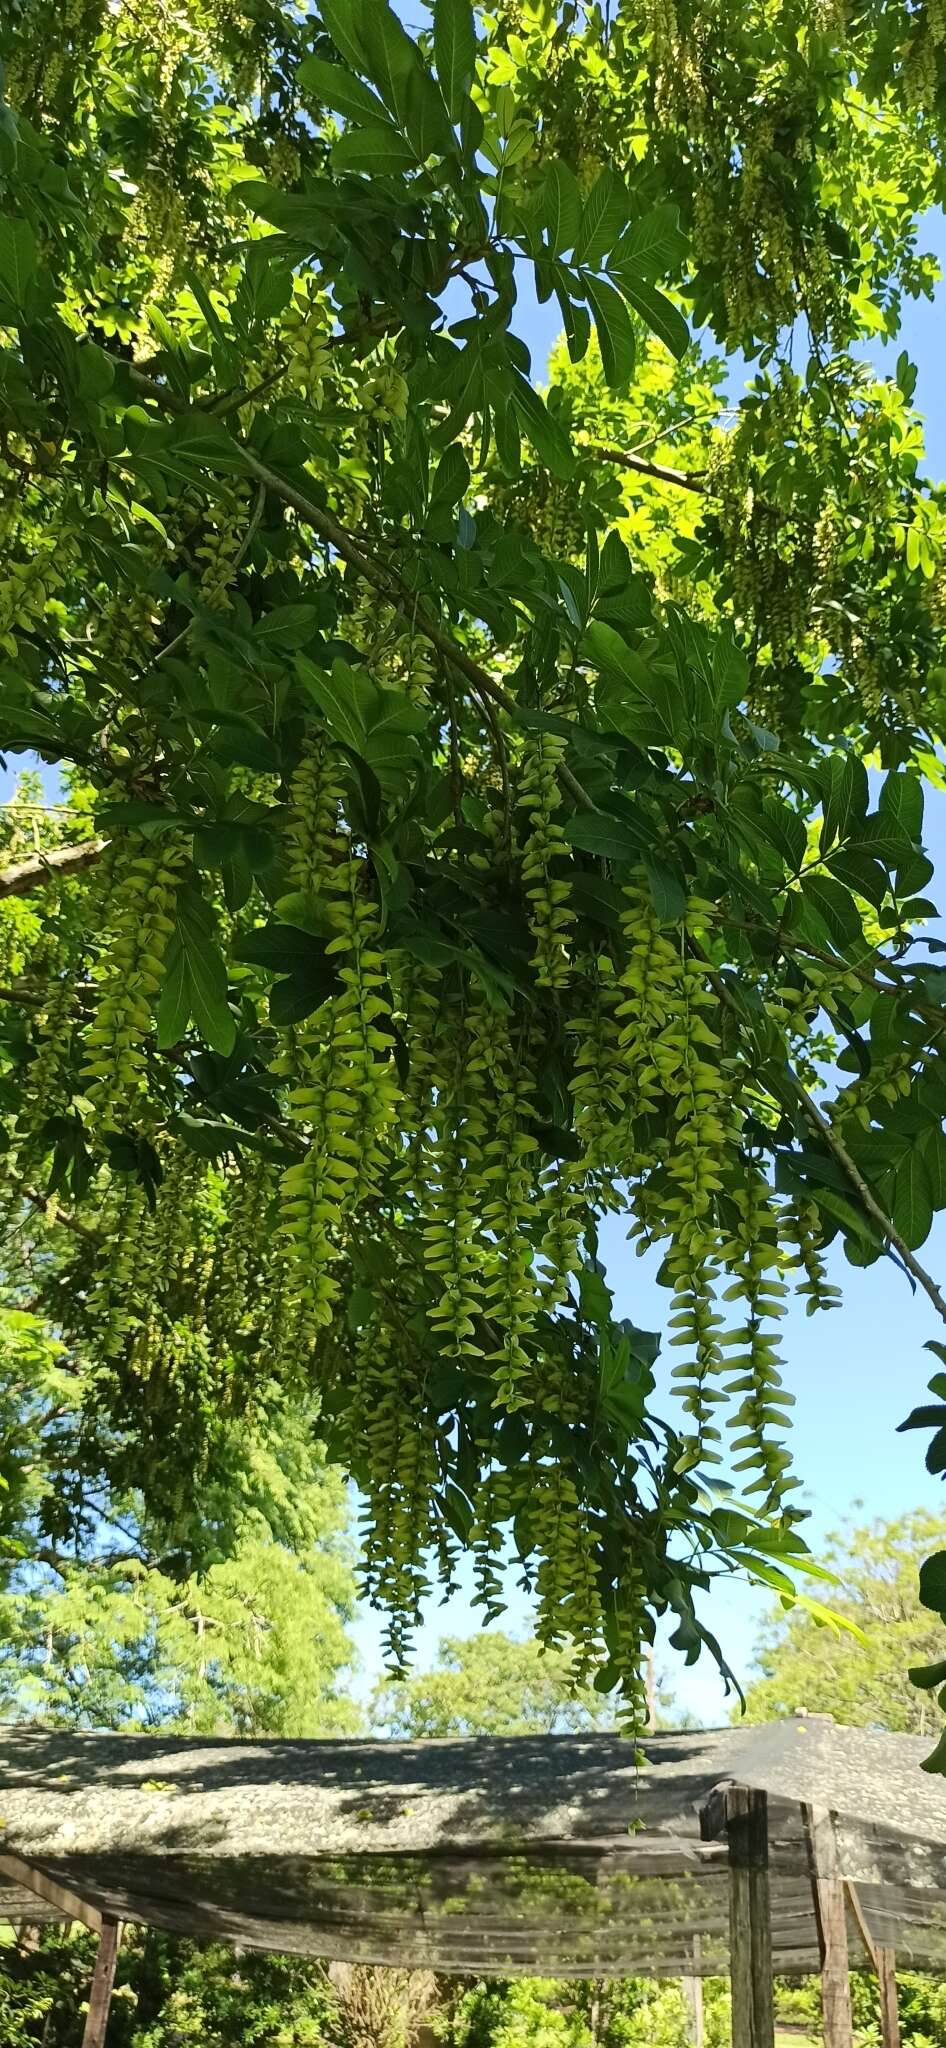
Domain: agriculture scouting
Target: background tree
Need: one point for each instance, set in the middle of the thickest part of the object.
(489, 1684)
(99, 1629)
(864, 1685)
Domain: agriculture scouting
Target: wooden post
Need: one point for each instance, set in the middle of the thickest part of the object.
(693, 2000)
(828, 1891)
(883, 1962)
(889, 2012)
(750, 1924)
(103, 1978)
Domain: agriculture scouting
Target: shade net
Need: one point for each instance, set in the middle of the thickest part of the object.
(553, 1856)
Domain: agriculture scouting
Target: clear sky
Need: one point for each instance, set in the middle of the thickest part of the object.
(856, 1372)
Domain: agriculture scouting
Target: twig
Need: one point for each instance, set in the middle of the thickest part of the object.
(63, 1216)
(60, 861)
(836, 1146)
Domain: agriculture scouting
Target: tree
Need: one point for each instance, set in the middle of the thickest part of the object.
(100, 1628)
(437, 881)
(489, 1684)
(863, 1685)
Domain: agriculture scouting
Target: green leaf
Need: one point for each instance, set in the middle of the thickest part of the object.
(845, 787)
(342, 19)
(667, 891)
(378, 148)
(635, 697)
(654, 245)
(333, 85)
(923, 1418)
(656, 310)
(304, 991)
(451, 479)
(394, 713)
(901, 801)
(195, 981)
(933, 1582)
(174, 1006)
(927, 1676)
(454, 52)
(346, 697)
(615, 332)
(912, 1204)
(560, 208)
(936, 1761)
(836, 909)
(612, 838)
(545, 434)
(17, 260)
(603, 215)
(396, 68)
(598, 900)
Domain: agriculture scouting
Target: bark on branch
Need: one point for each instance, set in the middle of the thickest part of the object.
(58, 863)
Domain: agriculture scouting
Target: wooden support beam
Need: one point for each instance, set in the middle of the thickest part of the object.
(693, 1999)
(103, 1979)
(828, 1892)
(67, 1905)
(889, 2011)
(883, 1962)
(744, 1814)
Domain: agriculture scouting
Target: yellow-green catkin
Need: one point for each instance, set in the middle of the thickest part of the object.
(544, 854)
(306, 328)
(510, 1200)
(345, 1090)
(688, 1060)
(653, 1033)
(399, 1476)
(564, 1210)
(454, 1246)
(129, 976)
(567, 1578)
(115, 1300)
(752, 1254)
(315, 845)
(801, 1229)
(600, 1075)
(221, 548)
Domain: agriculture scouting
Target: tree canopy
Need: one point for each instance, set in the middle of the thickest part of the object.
(102, 1626)
(802, 1666)
(489, 1684)
(461, 822)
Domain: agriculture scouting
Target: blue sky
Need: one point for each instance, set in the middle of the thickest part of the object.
(856, 1372)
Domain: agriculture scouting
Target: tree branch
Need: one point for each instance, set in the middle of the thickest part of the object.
(836, 1146)
(835, 1143)
(59, 862)
(683, 479)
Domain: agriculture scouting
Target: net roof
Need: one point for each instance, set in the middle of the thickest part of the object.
(553, 1855)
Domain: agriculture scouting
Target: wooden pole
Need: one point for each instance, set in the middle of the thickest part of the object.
(889, 2011)
(103, 1978)
(883, 1962)
(827, 1886)
(750, 1924)
(693, 2000)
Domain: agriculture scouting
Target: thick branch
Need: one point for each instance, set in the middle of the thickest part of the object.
(835, 1143)
(41, 868)
(683, 479)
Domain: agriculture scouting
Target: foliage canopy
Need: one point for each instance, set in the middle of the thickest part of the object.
(465, 823)
(877, 1568)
